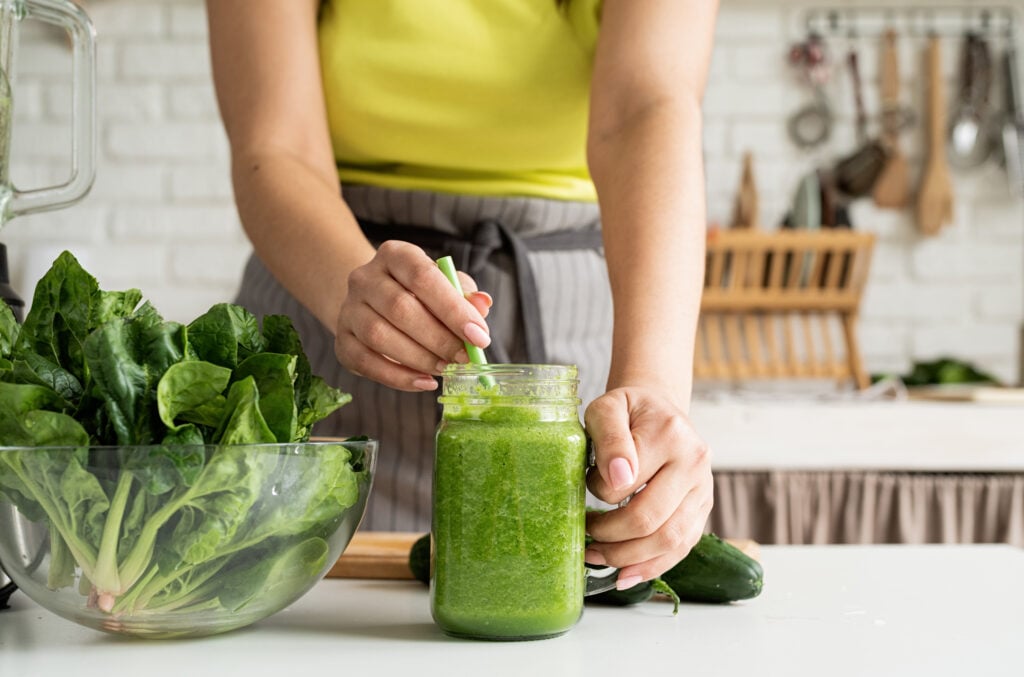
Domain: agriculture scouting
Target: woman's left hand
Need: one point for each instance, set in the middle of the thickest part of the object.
(645, 445)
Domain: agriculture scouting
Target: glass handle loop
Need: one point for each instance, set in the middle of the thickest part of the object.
(74, 20)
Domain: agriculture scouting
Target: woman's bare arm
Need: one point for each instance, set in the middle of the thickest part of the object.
(394, 316)
(267, 74)
(644, 153)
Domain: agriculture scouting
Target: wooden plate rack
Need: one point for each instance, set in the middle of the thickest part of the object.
(783, 305)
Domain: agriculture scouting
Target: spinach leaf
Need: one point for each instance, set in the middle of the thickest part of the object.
(108, 305)
(225, 335)
(244, 422)
(314, 399)
(17, 401)
(178, 459)
(274, 375)
(62, 563)
(191, 391)
(33, 368)
(321, 402)
(59, 320)
(126, 358)
(273, 580)
(8, 331)
(281, 337)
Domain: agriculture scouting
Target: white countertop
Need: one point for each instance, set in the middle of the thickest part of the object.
(795, 434)
(825, 610)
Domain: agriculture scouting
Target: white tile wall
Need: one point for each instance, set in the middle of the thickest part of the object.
(161, 215)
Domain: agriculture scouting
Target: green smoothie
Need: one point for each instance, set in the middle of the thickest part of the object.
(508, 521)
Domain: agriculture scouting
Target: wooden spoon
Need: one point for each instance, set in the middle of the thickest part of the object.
(935, 195)
(892, 189)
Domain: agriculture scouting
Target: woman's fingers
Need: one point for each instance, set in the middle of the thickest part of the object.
(608, 423)
(378, 335)
(482, 301)
(403, 321)
(634, 558)
(395, 321)
(419, 274)
(362, 361)
(672, 490)
(652, 544)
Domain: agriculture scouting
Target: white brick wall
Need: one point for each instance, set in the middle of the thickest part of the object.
(161, 215)
(956, 294)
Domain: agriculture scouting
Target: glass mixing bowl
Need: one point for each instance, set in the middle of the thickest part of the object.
(178, 541)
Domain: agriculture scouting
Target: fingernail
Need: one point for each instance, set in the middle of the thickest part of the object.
(462, 357)
(628, 582)
(594, 557)
(621, 473)
(476, 335)
(425, 383)
(486, 297)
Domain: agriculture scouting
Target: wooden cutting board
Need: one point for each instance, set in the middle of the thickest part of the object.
(385, 554)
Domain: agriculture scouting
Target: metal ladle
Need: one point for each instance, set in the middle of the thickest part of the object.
(969, 142)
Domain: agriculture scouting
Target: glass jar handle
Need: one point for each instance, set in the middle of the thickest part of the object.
(69, 16)
(599, 579)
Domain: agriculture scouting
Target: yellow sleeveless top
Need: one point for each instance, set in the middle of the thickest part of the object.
(483, 97)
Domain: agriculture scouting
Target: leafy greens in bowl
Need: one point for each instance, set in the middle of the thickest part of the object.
(161, 541)
(161, 470)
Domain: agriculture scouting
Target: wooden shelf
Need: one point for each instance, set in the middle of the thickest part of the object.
(783, 305)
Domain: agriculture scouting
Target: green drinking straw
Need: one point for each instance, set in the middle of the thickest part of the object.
(476, 354)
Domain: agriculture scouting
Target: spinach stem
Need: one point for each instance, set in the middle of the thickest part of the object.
(83, 553)
(106, 578)
(134, 565)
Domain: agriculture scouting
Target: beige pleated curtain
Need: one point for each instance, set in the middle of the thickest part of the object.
(787, 507)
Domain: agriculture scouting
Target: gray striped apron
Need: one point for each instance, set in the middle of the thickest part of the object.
(490, 238)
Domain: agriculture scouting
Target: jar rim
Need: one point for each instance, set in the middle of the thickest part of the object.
(510, 384)
(513, 369)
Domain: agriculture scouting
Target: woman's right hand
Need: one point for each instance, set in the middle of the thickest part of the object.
(402, 321)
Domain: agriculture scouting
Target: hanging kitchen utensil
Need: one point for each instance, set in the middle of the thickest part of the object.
(935, 196)
(893, 186)
(969, 142)
(1011, 130)
(745, 212)
(856, 174)
(811, 125)
(807, 216)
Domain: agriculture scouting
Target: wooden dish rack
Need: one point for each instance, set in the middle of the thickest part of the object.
(783, 305)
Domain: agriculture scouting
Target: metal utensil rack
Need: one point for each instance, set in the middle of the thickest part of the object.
(919, 20)
(953, 21)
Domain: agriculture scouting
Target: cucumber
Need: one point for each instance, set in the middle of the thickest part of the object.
(641, 592)
(715, 572)
(419, 559)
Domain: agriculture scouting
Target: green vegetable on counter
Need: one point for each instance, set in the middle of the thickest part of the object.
(943, 371)
(714, 571)
(419, 559)
(100, 374)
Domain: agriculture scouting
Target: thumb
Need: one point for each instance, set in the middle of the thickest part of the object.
(608, 424)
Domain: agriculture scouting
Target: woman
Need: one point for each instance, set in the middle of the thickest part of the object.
(474, 128)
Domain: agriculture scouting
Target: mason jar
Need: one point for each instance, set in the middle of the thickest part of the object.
(509, 502)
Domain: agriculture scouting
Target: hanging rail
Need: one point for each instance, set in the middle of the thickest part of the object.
(921, 20)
